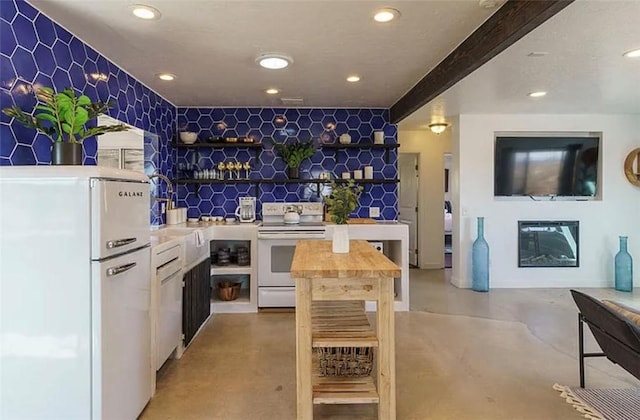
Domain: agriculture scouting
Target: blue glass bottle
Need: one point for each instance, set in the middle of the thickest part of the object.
(624, 268)
(480, 261)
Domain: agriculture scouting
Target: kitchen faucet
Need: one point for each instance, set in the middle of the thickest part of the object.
(168, 200)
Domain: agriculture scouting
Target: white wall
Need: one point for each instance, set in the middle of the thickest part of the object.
(431, 148)
(601, 221)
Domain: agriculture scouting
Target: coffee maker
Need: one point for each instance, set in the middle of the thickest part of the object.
(246, 211)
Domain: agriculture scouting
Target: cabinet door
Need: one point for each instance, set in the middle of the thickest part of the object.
(196, 299)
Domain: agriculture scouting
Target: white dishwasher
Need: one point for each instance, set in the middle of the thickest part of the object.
(169, 326)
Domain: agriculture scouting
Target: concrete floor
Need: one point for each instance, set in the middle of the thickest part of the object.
(460, 355)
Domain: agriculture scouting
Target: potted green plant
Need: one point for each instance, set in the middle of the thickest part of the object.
(64, 118)
(294, 154)
(342, 201)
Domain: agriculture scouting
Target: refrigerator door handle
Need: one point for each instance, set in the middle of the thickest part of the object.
(119, 242)
(117, 270)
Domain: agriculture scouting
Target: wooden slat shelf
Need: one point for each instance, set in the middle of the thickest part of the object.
(341, 390)
(341, 324)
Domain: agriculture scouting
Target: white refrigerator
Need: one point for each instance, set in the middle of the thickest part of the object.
(74, 293)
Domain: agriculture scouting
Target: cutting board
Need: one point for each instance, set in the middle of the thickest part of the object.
(361, 221)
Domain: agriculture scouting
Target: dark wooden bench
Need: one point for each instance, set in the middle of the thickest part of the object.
(617, 336)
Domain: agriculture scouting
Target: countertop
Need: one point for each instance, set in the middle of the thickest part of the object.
(160, 243)
(315, 259)
(161, 239)
(159, 236)
(205, 225)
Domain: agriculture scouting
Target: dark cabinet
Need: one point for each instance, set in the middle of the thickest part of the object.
(196, 299)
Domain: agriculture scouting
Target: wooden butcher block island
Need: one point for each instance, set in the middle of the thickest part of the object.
(330, 294)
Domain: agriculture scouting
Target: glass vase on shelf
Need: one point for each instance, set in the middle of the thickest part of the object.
(480, 261)
(623, 268)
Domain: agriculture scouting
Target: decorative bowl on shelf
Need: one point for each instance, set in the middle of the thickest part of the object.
(228, 290)
(188, 137)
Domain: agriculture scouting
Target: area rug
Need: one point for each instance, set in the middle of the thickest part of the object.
(603, 404)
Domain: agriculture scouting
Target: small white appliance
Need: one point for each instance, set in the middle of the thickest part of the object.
(246, 211)
(277, 241)
(379, 246)
(74, 276)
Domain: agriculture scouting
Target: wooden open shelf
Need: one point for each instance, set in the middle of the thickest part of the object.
(340, 390)
(341, 324)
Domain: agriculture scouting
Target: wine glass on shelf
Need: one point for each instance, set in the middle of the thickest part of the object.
(238, 167)
(246, 166)
(221, 169)
(231, 166)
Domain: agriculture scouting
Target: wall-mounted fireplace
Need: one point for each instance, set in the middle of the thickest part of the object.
(548, 243)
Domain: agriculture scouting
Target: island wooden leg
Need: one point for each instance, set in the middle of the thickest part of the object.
(303, 349)
(386, 368)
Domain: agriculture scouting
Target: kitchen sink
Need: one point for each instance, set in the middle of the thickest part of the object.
(192, 253)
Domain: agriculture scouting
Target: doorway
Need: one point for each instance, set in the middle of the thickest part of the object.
(408, 200)
(448, 213)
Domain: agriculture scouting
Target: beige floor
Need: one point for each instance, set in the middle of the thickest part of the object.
(460, 355)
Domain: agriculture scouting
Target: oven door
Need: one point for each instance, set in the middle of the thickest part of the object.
(274, 264)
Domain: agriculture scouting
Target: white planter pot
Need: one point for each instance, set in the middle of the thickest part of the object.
(341, 239)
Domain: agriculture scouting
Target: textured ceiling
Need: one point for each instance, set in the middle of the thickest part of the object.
(584, 71)
(211, 46)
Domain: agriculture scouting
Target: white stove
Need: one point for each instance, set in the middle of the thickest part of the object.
(274, 226)
(276, 245)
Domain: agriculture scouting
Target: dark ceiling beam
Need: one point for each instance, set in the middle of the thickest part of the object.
(512, 21)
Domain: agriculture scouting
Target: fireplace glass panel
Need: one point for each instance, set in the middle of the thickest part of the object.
(548, 244)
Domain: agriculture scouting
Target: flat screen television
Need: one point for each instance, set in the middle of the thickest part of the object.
(546, 166)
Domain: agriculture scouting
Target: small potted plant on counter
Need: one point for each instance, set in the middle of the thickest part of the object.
(64, 118)
(342, 201)
(294, 154)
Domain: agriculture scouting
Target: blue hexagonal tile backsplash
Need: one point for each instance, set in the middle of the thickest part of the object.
(269, 125)
(35, 51)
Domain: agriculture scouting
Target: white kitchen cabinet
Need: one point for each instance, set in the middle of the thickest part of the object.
(232, 236)
(166, 306)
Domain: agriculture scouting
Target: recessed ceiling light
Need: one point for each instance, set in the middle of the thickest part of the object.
(274, 61)
(632, 53)
(386, 15)
(272, 91)
(166, 77)
(354, 78)
(538, 94)
(489, 4)
(145, 12)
